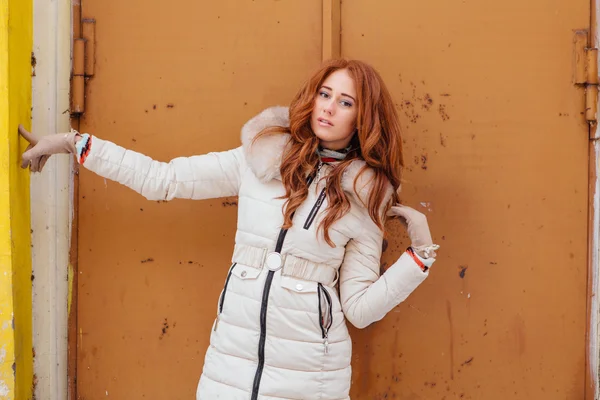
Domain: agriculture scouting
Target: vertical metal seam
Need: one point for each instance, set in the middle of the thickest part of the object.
(331, 43)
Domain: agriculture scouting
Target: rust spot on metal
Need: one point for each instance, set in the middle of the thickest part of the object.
(442, 140)
(409, 110)
(427, 102)
(165, 329)
(33, 63)
(227, 203)
(443, 113)
(34, 382)
(468, 362)
(463, 271)
(170, 105)
(147, 260)
(424, 161)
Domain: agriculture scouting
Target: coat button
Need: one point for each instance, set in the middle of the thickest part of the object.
(274, 261)
(244, 273)
(299, 287)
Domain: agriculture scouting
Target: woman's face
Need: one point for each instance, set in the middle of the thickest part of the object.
(333, 118)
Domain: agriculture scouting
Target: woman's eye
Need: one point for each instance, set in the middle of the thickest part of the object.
(324, 94)
(346, 103)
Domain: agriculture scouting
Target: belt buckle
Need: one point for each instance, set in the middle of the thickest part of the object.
(274, 261)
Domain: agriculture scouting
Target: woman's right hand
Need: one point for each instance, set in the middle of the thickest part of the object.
(42, 147)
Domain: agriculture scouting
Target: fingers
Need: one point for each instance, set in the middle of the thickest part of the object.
(43, 160)
(25, 158)
(407, 213)
(401, 211)
(35, 164)
(30, 137)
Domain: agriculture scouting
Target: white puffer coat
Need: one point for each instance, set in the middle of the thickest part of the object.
(278, 334)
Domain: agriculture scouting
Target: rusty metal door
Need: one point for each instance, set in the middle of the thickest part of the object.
(170, 79)
(497, 157)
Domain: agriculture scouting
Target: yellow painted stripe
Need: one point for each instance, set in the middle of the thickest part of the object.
(16, 358)
(7, 346)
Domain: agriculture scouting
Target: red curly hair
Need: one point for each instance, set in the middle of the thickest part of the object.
(377, 141)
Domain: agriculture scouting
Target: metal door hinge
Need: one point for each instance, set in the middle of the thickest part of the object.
(586, 74)
(83, 64)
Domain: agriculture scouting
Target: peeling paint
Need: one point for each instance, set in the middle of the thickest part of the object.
(427, 205)
(4, 390)
(2, 354)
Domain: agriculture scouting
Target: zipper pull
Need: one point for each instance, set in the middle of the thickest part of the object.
(326, 345)
(319, 171)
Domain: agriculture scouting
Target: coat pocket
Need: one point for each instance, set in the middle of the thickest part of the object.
(223, 294)
(324, 303)
(325, 315)
(237, 271)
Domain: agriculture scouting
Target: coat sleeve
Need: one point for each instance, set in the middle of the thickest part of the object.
(366, 296)
(205, 176)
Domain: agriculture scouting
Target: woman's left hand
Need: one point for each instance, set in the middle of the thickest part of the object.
(416, 226)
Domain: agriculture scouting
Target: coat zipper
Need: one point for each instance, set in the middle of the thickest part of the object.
(222, 298)
(263, 320)
(313, 212)
(325, 316)
(265, 303)
(315, 209)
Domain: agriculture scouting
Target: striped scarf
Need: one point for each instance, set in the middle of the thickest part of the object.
(332, 155)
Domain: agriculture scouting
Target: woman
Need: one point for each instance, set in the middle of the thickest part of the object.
(315, 182)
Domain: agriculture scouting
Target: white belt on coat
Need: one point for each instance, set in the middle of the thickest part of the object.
(292, 266)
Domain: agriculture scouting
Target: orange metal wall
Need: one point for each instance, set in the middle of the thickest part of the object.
(496, 154)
